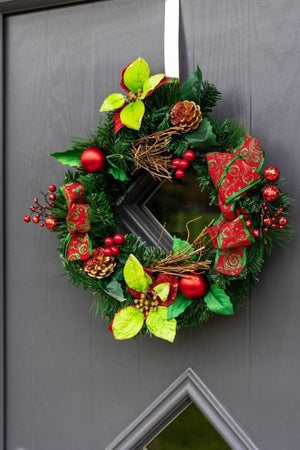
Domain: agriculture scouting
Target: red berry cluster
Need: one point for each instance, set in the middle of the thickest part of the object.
(272, 218)
(181, 164)
(40, 213)
(112, 244)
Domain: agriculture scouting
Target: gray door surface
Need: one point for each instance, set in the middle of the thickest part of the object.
(69, 385)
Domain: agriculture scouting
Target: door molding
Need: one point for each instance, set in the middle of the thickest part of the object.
(185, 389)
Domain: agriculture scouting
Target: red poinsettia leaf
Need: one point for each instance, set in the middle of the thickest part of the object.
(122, 84)
(118, 125)
(163, 81)
(173, 281)
(110, 326)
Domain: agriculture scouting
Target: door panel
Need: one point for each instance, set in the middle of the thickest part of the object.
(69, 384)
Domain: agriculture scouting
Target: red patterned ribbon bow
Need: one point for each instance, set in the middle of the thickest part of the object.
(233, 174)
(78, 243)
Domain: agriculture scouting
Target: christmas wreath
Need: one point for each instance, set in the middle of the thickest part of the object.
(164, 127)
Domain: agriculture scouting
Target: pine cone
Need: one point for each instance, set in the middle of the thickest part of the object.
(99, 265)
(186, 115)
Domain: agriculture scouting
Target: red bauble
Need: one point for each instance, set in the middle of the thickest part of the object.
(36, 218)
(271, 193)
(184, 164)
(92, 159)
(52, 188)
(26, 218)
(51, 223)
(282, 221)
(52, 197)
(256, 233)
(119, 239)
(176, 162)
(268, 221)
(108, 241)
(179, 174)
(271, 173)
(189, 155)
(194, 286)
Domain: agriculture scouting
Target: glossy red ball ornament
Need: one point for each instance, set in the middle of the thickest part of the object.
(179, 174)
(52, 197)
(189, 155)
(92, 159)
(119, 239)
(114, 250)
(26, 218)
(35, 200)
(108, 241)
(51, 223)
(52, 188)
(268, 221)
(194, 286)
(256, 233)
(271, 193)
(184, 164)
(176, 162)
(36, 219)
(248, 223)
(282, 221)
(271, 173)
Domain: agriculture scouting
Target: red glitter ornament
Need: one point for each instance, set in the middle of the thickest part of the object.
(256, 233)
(51, 223)
(271, 193)
(52, 188)
(271, 173)
(26, 218)
(194, 286)
(92, 159)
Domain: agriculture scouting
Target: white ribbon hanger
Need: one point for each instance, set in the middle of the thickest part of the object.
(171, 44)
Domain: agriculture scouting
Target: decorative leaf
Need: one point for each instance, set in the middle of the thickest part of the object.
(114, 289)
(152, 83)
(203, 137)
(179, 306)
(218, 301)
(69, 158)
(192, 87)
(163, 290)
(135, 276)
(136, 74)
(159, 325)
(113, 101)
(179, 246)
(127, 323)
(118, 173)
(132, 115)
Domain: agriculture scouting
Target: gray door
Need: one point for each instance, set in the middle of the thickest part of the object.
(69, 385)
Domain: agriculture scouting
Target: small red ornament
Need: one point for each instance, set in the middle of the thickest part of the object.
(52, 197)
(282, 221)
(33, 208)
(35, 200)
(36, 218)
(52, 188)
(248, 223)
(268, 221)
(256, 233)
(108, 241)
(176, 162)
(26, 218)
(179, 174)
(114, 250)
(189, 155)
(271, 173)
(51, 223)
(42, 224)
(194, 286)
(92, 159)
(184, 164)
(271, 193)
(119, 239)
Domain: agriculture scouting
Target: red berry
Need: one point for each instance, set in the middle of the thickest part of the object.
(256, 233)
(248, 223)
(33, 208)
(107, 251)
(119, 239)
(176, 162)
(266, 230)
(189, 155)
(35, 200)
(52, 188)
(179, 174)
(108, 241)
(51, 223)
(27, 218)
(184, 164)
(42, 224)
(36, 219)
(282, 221)
(114, 250)
(268, 221)
(52, 197)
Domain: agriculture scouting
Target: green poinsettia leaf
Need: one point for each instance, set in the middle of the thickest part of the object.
(159, 325)
(127, 323)
(113, 101)
(131, 116)
(192, 87)
(118, 173)
(136, 74)
(69, 158)
(203, 137)
(179, 306)
(114, 289)
(163, 290)
(135, 276)
(151, 83)
(218, 301)
(180, 246)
